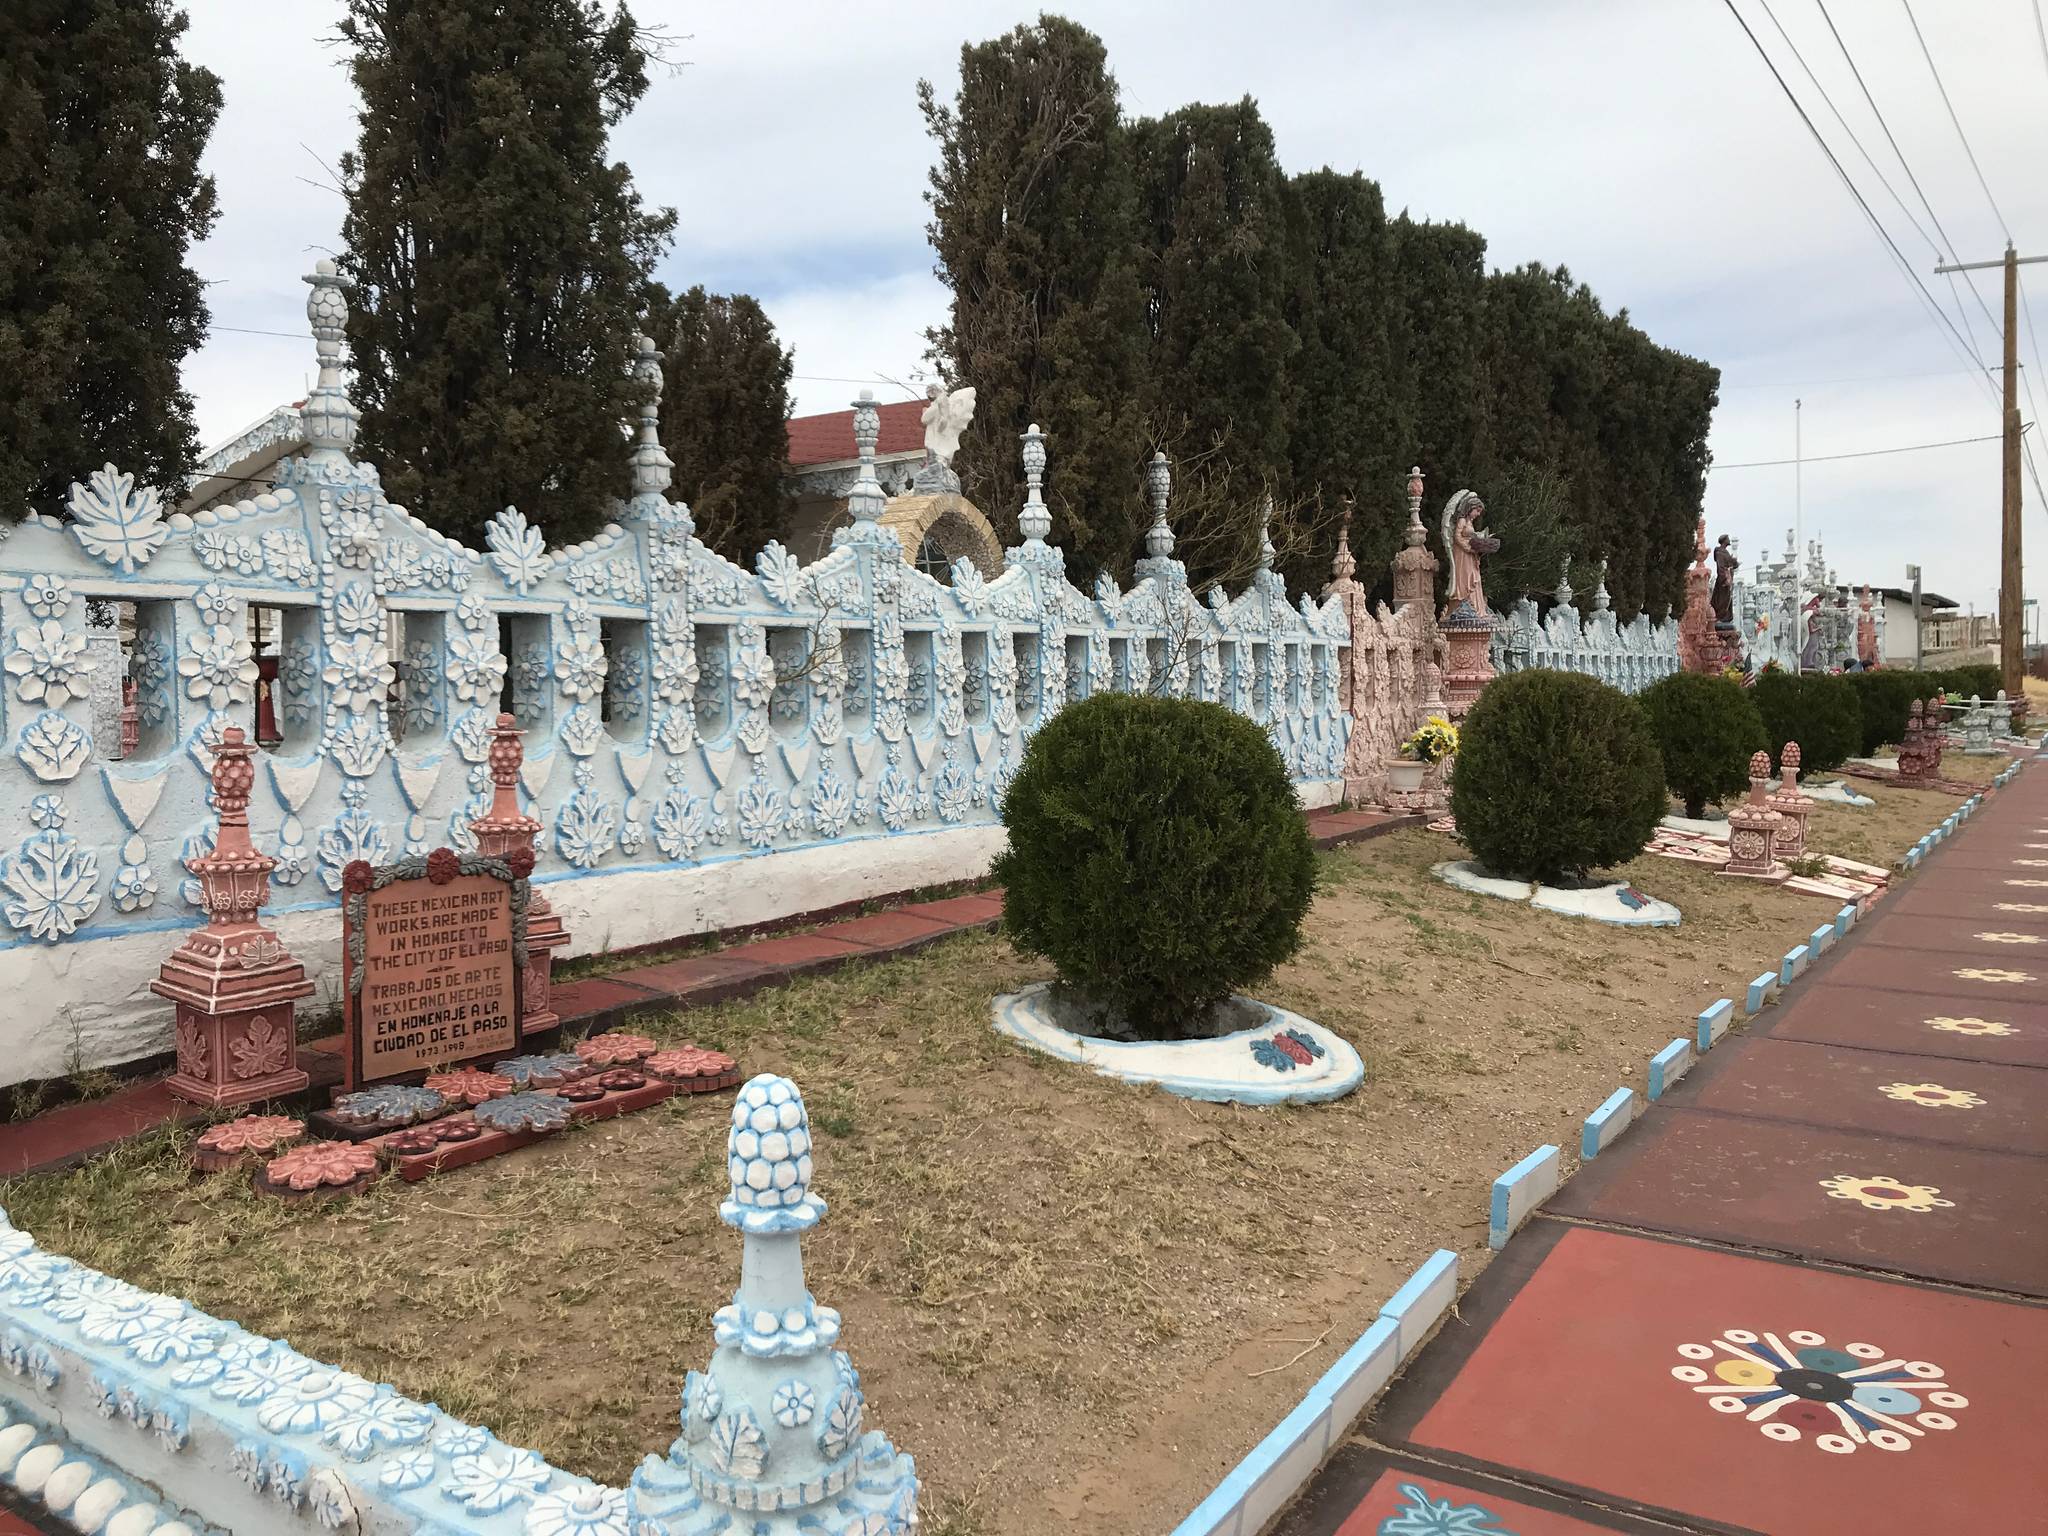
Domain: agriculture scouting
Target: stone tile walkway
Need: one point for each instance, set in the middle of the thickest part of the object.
(1799, 1299)
(71, 1133)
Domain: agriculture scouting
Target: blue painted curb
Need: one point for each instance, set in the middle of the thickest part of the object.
(1519, 1191)
(1607, 1122)
(1713, 1023)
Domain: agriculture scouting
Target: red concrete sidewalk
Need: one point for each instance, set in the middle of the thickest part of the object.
(73, 1132)
(1799, 1299)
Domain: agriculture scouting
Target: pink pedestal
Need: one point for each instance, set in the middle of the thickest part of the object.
(235, 984)
(499, 831)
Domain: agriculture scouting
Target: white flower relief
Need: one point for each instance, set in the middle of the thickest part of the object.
(51, 664)
(383, 1419)
(585, 1511)
(490, 1480)
(257, 1376)
(355, 537)
(314, 1401)
(471, 613)
(408, 1469)
(288, 556)
(47, 596)
(475, 668)
(675, 671)
(220, 667)
(582, 668)
(753, 677)
(359, 673)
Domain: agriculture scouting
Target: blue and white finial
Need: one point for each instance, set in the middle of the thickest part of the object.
(1158, 483)
(768, 1154)
(1266, 550)
(866, 501)
(1035, 521)
(329, 418)
(773, 1427)
(653, 469)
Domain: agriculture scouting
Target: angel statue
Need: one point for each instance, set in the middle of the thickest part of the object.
(944, 419)
(1464, 543)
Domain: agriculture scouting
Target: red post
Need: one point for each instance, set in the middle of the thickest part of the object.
(499, 830)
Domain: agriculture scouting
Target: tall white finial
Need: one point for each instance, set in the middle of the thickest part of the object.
(1035, 521)
(328, 417)
(866, 501)
(1158, 483)
(653, 469)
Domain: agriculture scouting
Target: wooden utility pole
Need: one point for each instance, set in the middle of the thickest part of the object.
(2011, 591)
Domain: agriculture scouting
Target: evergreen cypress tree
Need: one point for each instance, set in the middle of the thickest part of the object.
(1215, 218)
(102, 126)
(1033, 209)
(724, 417)
(501, 260)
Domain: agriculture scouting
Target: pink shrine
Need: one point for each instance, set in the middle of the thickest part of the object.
(504, 829)
(236, 986)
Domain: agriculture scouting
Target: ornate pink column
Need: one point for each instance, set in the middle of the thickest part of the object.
(1753, 828)
(1791, 805)
(235, 984)
(500, 831)
(1699, 648)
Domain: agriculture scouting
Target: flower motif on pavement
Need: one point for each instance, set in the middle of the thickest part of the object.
(1933, 1095)
(220, 667)
(490, 1480)
(47, 596)
(252, 1133)
(1795, 1387)
(1981, 973)
(359, 673)
(585, 1511)
(1422, 1515)
(2010, 938)
(50, 663)
(1972, 1026)
(1880, 1192)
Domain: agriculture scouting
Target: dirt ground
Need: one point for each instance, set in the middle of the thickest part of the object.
(1077, 1303)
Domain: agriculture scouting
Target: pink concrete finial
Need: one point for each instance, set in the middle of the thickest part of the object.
(501, 832)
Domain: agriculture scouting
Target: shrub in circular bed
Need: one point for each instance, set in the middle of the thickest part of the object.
(1706, 729)
(1819, 712)
(1557, 774)
(1158, 857)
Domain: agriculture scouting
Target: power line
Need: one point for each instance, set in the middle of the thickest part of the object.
(1907, 5)
(243, 330)
(1862, 378)
(1883, 234)
(1867, 453)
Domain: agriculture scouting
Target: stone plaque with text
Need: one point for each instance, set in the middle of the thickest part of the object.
(434, 948)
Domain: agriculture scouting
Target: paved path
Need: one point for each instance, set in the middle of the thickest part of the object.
(1802, 1297)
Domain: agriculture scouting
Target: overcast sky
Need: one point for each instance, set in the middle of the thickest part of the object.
(1642, 143)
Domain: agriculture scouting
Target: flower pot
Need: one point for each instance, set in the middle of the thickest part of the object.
(1404, 774)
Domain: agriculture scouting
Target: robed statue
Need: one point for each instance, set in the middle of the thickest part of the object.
(1464, 543)
(1724, 582)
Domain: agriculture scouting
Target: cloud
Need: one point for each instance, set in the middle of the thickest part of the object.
(1644, 147)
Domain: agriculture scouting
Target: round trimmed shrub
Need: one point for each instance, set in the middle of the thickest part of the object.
(1819, 712)
(1557, 774)
(1157, 856)
(1706, 729)
(1886, 696)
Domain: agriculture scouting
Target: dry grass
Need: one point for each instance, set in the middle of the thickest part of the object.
(1074, 1301)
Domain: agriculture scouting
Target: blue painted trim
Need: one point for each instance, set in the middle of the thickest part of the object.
(1760, 991)
(1668, 1066)
(1721, 1014)
(1428, 1274)
(1845, 920)
(1500, 1224)
(1594, 1136)
(1795, 962)
(1821, 938)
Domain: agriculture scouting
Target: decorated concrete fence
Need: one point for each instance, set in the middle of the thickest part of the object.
(705, 745)
(1629, 656)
